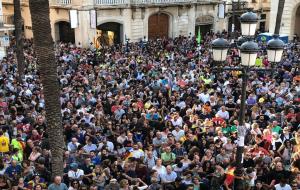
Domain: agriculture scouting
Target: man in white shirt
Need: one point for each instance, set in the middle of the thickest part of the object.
(178, 133)
(204, 97)
(72, 146)
(137, 153)
(75, 173)
(177, 120)
(161, 170)
(223, 113)
(109, 145)
(282, 185)
(89, 147)
(169, 176)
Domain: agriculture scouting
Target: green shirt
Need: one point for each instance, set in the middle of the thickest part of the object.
(229, 129)
(168, 156)
(277, 129)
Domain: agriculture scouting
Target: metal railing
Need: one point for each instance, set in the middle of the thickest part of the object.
(112, 2)
(160, 1)
(6, 20)
(61, 2)
(144, 2)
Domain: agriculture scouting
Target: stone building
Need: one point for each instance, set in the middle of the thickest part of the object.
(114, 21)
(290, 22)
(235, 8)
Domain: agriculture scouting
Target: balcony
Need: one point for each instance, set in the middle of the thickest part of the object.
(60, 3)
(111, 3)
(6, 22)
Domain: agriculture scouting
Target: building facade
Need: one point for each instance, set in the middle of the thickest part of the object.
(290, 22)
(235, 8)
(114, 21)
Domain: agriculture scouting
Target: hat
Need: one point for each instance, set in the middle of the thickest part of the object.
(74, 166)
(113, 180)
(261, 100)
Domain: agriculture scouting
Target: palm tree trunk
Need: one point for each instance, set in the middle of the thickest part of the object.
(44, 48)
(279, 16)
(19, 39)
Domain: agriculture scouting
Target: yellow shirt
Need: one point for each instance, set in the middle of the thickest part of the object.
(4, 144)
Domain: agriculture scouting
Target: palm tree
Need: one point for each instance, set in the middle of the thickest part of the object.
(47, 68)
(279, 16)
(19, 40)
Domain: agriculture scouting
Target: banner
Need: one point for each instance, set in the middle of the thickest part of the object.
(4, 40)
(93, 18)
(74, 18)
(221, 12)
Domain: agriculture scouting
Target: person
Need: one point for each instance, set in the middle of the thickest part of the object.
(57, 184)
(167, 156)
(4, 143)
(282, 185)
(124, 109)
(75, 172)
(169, 177)
(14, 171)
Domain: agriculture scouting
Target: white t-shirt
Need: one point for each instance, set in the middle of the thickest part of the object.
(178, 134)
(138, 153)
(224, 115)
(75, 175)
(285, 187)
(160, 170)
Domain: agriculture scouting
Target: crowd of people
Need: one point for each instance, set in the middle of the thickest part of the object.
(151, 115)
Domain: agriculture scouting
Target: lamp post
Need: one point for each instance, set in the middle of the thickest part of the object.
(248, 53)
(219, 49)
(239, 43)
(248, 23)
(275, 49)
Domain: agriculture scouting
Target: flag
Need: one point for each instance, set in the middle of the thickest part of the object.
(199, 36)
(229, 175)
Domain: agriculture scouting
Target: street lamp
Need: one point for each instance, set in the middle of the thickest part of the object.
(219, 49)
(239, 43)
(275, 49)
(249, 51)
(248, 23)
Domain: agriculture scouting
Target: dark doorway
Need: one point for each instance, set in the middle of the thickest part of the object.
(158, 26)
(204, 29)
(262, 27)
(111, 33)
(297, 22)
(66, 33)
(237, 24)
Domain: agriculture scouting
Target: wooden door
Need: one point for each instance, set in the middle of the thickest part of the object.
(158, 26)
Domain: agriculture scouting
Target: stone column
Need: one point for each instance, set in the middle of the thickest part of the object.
(84, 33)
(192, 20)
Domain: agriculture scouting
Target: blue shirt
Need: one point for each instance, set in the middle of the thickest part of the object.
(61, 186)
(168, 177)
(96, 160)
(11, 170)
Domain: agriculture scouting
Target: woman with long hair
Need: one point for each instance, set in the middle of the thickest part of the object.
(74, 185)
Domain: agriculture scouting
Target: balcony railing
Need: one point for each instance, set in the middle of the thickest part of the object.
(6, 20)
(160, 1)
(146, 2)
(112, 2)
(61, 2)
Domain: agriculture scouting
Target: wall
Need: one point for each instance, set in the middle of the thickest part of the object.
(57, 15)
(288, 17)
